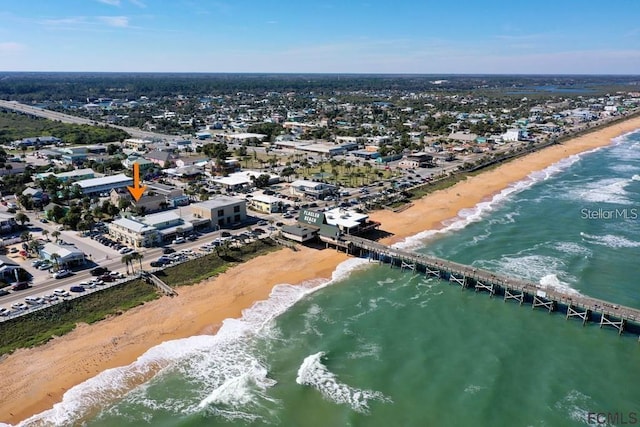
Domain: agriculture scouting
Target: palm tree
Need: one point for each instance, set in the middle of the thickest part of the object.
(55, 257)
(137, 256)
(55, 234)
(126, 260)
(45, 234)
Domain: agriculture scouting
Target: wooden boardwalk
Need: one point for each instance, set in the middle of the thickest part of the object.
(582, 307)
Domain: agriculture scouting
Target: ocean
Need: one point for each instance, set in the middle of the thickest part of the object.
(377, 346)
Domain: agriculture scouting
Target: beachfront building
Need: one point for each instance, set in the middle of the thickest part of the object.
(349, 221)
(298, 233)
(134, 233)
(104, 184)
(329, 226)
(67, 255)
(221, 211)
(312, 189)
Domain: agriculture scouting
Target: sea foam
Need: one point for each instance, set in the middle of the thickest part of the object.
(314, 373)
(482, 209)
(229, 377)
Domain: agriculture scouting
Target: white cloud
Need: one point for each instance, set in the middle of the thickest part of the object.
(115, 21)
(110, 2)
(138, 3)
(11, 47)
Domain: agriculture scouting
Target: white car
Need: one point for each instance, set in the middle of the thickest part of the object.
(178, 241)
(61, 273)
(34, 300)
(4, 311)
(61, 293)
(19, 306)
(50, 297)
(125, 250)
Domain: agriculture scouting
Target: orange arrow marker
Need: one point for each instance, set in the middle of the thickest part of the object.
(136, 191)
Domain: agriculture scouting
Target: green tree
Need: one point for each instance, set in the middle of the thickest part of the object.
(126, 260)
(55, 257)
(21, 217)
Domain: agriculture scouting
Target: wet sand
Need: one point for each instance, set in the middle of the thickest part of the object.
(34, 379)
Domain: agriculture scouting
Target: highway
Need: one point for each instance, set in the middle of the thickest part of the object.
(67, 118)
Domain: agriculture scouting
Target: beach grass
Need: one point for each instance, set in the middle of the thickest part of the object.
(40, 326)
(194, 271)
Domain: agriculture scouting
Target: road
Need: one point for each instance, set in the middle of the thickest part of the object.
(67, 118)
(45, 284)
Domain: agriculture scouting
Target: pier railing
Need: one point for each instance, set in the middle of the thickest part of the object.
(574, 304)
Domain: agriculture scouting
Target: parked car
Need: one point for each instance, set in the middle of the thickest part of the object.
(19, 306)
(61, 292)
(107, 278)
(4, 311)
(262, 223)
(76, 288)
(87, 285)
(34, 300)
(50, 297)
(99, 271)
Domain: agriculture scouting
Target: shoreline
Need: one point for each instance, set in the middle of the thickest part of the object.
(37, 378)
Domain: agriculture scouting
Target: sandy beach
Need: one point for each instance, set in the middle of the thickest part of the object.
(35, 379)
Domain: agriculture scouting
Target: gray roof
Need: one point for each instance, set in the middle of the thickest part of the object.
(218, 202)
(297, 230)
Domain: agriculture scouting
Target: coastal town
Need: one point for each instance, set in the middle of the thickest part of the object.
(223, 171)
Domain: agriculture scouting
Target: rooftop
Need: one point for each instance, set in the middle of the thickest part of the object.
(218, 202)
(105, 180)
(132, 225)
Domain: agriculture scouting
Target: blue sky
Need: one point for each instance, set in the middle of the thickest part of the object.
(371, 36)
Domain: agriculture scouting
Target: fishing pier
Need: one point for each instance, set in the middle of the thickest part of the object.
(572, 305)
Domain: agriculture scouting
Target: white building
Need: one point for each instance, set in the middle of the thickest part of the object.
(313, 189)
(513, 135)
(104, 184)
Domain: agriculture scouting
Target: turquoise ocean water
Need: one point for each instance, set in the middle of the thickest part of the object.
(379, 347)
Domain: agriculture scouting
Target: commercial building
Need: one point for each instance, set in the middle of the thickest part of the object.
(267, 204)
(71, 176)
(67, 255)
(168, 224)
(313, 189)
(104, 184)
(237, 180)
(222, 211)
(133, 233)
